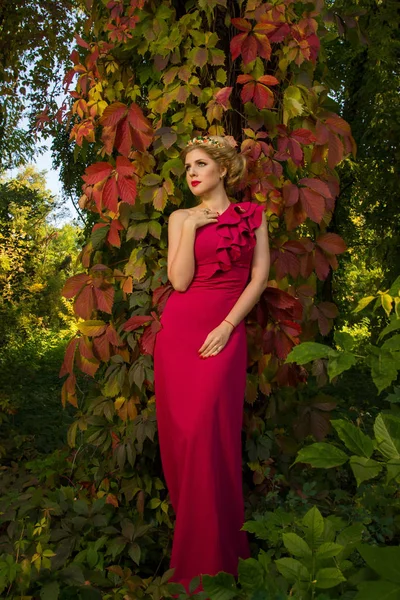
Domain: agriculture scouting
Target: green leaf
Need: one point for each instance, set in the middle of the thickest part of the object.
(349, 537)
(155, 229)
(363, 303)
(392, 343)
(221, 76)
(378, 590)
(314, 525)
(383, 560)
(364, 468)
(354, 439)
(296, 545)
(392, 326)
(383, 369)
(341, 362)
(151, 179)
(220, 587)
(328, 550)
(251, 574)
(308, 351)
(50, 591)
(344, 340)
(386, 302)
(292, 569)
(98, 236)
(395, 288)
(321, 455)
(138, 231)
(328, 578)
(387, 434)
(92, 327)
(393, 469)
(394, 398)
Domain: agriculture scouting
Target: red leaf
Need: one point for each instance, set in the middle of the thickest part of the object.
(329, 309)
(335, 150)
(248, 92)
(268, 80)
(101, 346)
(138, 121)
(331, 243)
(249, 49)
(245, 79)
(313, 204)
(113, 114)
(263, 97)
(290, 193)
(97, 172)
(304, 136)
(317, 185)
(74, 284)
(222, 97)
(84, 304)
(141, 140)
(81, 42)
(161, 295)
(321, 265)
(68, 362)
(294, 216)
(113, 235)
(148, 338)
(236, 44)
(137, 321)
(123, 138)
(113, 336)
(104, 298)
(263, 46)
(124, 166)
(127, 189)
(295, 151)
(338, 125)
(241, 24)
(110, 195)
(88, 366)
(281, 32)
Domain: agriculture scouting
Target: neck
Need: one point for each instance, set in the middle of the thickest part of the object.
(215, 200)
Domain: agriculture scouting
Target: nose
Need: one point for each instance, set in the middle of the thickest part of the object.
(191, 171)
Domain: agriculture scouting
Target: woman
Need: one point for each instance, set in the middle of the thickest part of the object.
(218, 263)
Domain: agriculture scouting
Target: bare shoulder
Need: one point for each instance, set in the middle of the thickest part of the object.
(178, 215)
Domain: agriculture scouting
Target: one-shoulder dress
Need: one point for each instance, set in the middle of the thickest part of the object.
(199, 402)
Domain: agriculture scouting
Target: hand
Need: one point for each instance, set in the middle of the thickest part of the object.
(216, 340)
(198, 217)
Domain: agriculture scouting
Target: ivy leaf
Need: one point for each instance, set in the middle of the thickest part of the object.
(97, 172)
(321, 455)
(308, 351)
(354, 439)
(364, 468)
(92, 328)
(384, 561)
(296, 545)
(328, 578)
(292, 569)
(387, 433)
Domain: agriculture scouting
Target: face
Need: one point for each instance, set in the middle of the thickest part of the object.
(203, 174)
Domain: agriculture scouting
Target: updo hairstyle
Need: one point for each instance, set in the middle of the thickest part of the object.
(227, 157)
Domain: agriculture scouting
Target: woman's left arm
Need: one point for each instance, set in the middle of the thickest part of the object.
(217, 338)
(259, 277)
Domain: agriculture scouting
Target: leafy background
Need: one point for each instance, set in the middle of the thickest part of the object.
(311, 94)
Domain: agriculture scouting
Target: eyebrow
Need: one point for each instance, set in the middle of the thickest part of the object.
(196, 161)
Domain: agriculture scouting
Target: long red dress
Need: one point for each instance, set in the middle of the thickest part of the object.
(199, 402)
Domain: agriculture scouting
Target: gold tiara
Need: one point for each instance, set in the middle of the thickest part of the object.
(204, 140)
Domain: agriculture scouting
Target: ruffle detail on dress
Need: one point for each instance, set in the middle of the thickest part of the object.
(236, 231)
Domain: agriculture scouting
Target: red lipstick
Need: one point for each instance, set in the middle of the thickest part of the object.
(194, 183)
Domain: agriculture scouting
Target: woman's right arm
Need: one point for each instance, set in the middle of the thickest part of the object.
(181, 236)
(182, 228)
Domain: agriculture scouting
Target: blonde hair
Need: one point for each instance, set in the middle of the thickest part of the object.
(226, 156)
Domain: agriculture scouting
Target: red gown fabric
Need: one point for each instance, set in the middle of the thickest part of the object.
(199, 402)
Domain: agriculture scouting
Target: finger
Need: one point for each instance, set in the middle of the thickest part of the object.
(212, 350)
(205, 344)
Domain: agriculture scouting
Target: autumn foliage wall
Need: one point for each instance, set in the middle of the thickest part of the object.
(146, 78)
